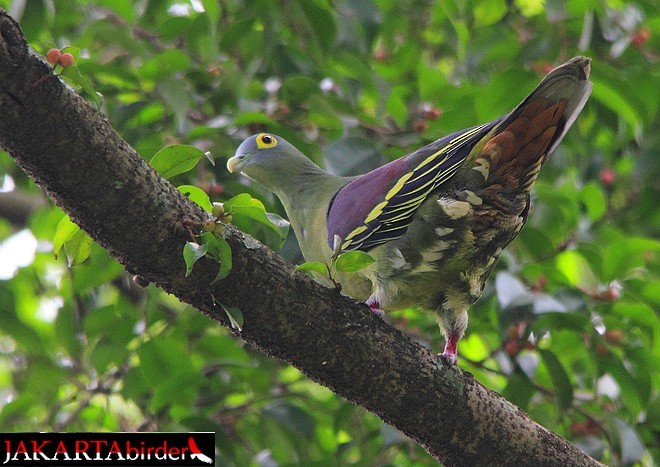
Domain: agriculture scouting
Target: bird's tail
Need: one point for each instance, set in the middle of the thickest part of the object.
(523, 139)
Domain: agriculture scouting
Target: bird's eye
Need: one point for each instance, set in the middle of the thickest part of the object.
(264, 141)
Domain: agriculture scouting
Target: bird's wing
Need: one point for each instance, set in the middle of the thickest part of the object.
(378, 206)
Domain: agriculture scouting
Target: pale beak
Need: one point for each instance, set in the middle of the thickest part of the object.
(235, 163)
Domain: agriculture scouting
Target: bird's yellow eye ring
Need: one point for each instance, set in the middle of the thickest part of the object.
(265, 141)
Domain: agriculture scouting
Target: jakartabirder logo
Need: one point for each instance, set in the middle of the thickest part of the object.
(108, 449)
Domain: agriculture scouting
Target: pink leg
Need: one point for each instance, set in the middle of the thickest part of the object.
(373, 304)
(449, 353)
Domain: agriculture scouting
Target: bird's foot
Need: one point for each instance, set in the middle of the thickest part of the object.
(449, 357)
(449, 354)
(374, 306)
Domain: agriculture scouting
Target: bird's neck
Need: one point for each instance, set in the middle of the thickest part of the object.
(302, 189)
(301, 178)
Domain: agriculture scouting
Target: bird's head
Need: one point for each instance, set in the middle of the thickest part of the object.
(269, 160)
(259, 153)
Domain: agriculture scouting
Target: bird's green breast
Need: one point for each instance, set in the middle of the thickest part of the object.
(306, 204)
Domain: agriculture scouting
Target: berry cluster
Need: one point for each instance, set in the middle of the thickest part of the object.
(56, 57)
(219, 217)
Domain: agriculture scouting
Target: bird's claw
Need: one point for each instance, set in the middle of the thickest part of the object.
(374, 306)
(449, 357)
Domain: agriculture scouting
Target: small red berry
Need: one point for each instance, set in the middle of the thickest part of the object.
(611, 295)
(607, 176)
(513, 333)
(432, 113)
(542, 68)
(381, 55)
(215, 190)
(540, 284)
(214, 70)
(614, 336)
(512, 348)
(66, 60)
(53, 56)
(282, 110)
(594, 428)
(602, 350)
(579, 428)
(640, 38)
(420, 125)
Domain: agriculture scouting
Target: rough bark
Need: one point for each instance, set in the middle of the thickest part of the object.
(73, 153)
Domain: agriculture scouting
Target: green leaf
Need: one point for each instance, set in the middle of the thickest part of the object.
(577, 270)
(75, 76)
(364, 156)
(212, 9)
(106, 354)
(489, 12)
(561, 320)
(291, 417)
(594, 200)
(78, 248)
(620, 258)
(176, 159)
(613, 99)
(235, 316)
(282, 225)
(197, 196)
(66, 229)
(164, 358)
(353, 261)
(530, 7)
(639, 313)
(77, 244)
(519, 390)
(244, 206)
(298, 88)
(314, 266)
(165, 63)
(249, 118)
(396, 106)
(632, 393)
(219, 250)
(192, 252)
(560, 379)
(537, 242)
(243, 200)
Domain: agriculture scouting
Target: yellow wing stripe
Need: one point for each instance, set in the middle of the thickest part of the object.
(405, 208)
(375, 212)
(355, 232)
(396, 188)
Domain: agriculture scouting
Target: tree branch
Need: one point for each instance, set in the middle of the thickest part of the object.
(73, 153)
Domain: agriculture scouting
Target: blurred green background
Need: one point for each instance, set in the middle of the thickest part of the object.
(568, 327)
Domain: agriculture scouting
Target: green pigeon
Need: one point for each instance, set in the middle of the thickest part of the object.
(435, 220)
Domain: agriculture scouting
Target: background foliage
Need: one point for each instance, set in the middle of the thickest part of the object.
(568, 328)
